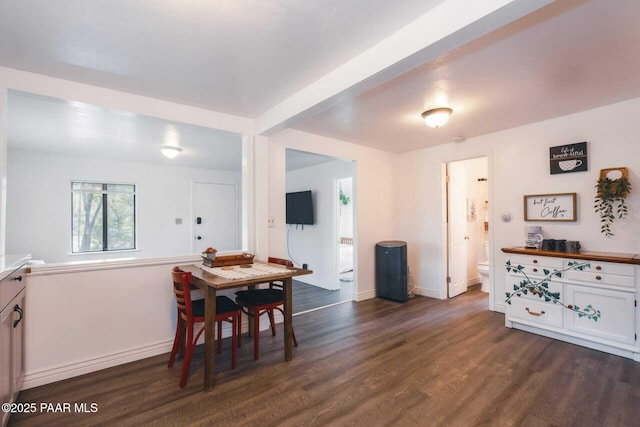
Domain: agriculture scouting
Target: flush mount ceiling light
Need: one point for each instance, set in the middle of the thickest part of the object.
(170, 151)
(437, 117)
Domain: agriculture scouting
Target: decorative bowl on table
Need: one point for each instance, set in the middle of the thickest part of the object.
(209, 253)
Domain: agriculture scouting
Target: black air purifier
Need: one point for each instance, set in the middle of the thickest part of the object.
(391, 270)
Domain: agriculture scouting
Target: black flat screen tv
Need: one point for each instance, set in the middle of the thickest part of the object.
(300, 208)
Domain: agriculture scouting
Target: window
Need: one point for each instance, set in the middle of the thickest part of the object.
(103, 217)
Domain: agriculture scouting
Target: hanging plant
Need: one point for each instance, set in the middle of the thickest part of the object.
(344, 199)
(610, 199)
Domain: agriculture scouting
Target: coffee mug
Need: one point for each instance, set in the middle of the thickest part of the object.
(573, 246)
(568, 165)
(560, 245)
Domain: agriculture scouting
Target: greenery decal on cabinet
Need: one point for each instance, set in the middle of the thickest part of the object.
(541, 288)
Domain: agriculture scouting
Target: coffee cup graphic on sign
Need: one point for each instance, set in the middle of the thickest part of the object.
(569, 165)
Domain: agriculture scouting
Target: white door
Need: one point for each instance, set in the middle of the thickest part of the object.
(216, 217)
(457, 229)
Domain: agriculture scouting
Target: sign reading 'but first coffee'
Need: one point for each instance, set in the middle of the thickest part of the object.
(568, 158)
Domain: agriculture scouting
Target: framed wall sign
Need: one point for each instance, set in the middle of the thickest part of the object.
(550, 207)
(568, 158)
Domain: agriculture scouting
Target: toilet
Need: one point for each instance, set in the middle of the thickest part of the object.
(483, 269)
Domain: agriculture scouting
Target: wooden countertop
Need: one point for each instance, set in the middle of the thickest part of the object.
(585, 255)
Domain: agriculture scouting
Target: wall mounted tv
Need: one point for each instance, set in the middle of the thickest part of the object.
(299, 208)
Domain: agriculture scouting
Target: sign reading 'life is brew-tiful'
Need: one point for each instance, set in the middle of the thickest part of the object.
(568, 158)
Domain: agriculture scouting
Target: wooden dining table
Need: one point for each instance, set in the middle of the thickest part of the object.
(211, 283)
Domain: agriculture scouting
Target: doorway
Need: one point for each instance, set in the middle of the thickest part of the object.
(344, 234)
(467, 195)
(216, 217)
(318, 245)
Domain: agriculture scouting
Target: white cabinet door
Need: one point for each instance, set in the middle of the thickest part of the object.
(5, 358)
(617, 313)
(17, 345)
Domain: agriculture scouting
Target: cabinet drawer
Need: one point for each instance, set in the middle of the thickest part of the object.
(553, 287)
(608, 268)
(601, 278)
(534, 311)
(535, 267)
(540, 261)
(11, 286)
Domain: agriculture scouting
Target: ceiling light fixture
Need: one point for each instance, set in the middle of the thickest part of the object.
(170, 151)
(437, 117)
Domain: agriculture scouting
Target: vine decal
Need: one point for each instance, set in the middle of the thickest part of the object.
(541, 288)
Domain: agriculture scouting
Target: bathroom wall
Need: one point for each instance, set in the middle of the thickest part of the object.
(477, 194)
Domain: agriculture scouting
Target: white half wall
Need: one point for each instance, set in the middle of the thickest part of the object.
(316, 244)
(519, 165)
(83, 319)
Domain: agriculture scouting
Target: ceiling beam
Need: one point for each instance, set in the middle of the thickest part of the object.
(447, 26)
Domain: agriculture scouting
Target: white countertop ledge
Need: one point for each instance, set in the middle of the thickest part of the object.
(9, 263)
(109, 264)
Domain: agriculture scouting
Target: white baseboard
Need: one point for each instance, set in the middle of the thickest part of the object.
(474, 281)
(499, 308)
(431, 293)
(361, 296)
(63, 372)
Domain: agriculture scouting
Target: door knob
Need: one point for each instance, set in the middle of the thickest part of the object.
(199, 237)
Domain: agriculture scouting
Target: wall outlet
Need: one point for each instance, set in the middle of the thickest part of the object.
(272, 221)
(178, 221)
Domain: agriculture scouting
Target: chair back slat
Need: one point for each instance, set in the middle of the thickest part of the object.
(281, 261)
(273, 260)
(182, 291)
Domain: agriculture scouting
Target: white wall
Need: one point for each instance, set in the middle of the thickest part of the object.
(83, 319)
(519, 165)
(39, 203)
(316, 244)
(373, 195)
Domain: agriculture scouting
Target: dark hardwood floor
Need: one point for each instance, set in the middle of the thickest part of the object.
(373, 363)
(307, 297)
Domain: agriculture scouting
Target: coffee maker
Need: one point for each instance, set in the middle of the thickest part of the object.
(533, 239)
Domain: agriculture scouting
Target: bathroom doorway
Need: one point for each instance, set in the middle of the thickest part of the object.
(344, 233)
(467, 194)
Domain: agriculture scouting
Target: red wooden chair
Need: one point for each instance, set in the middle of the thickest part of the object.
(256, 302)
(191, 312)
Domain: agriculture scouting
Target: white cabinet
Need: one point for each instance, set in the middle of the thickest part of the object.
(11, 337)
(609, 287)
(617, 320)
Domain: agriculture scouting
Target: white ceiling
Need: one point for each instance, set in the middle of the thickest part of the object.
(39, 123)
(296, 159)
(245, 56)
(567, 57)
(234, 56)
